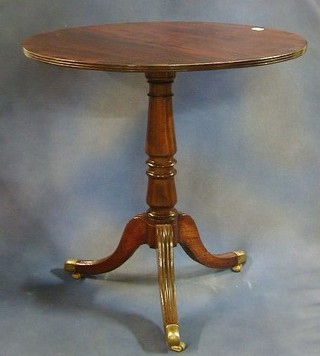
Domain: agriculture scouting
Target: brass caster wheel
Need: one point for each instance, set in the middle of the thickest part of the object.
(173, 338)
(237, 268)
(76, 276)
(242, 258)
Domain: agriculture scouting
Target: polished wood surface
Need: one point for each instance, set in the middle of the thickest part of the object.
(161, 147)
(134, 235)
(164, 46)
(189, 239)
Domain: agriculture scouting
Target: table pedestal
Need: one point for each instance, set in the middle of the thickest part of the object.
(162, 227)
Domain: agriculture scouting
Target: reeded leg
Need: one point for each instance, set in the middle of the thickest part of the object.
(190, 241)
(164, 234)
(133, 236)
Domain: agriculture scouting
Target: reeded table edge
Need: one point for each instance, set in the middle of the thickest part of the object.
(113, 67)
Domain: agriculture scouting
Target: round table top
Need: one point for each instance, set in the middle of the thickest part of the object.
(164, 46)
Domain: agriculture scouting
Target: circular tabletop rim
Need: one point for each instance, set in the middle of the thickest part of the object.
(73, 62)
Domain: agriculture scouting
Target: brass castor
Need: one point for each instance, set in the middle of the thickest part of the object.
(70, 266)
(242, 258)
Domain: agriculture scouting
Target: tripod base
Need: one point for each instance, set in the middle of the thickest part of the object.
(163, 237)
(162, 227)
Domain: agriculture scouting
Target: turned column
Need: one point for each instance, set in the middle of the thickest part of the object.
(161, 147)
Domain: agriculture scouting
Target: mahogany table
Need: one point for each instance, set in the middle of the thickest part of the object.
(160, 49)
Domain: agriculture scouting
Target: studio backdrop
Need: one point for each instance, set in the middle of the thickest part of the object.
(73, 173)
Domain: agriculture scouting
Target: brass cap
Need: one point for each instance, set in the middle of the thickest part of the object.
(242, 256)
(70, 265)
(173, 338)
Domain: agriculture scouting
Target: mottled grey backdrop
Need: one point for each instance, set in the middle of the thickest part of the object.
(72, 174)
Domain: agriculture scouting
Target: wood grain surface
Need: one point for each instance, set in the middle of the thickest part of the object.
(164, 46)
